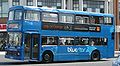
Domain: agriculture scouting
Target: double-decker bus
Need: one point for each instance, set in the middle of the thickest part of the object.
(47, 35)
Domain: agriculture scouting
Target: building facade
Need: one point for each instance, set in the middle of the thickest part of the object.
(99, 6)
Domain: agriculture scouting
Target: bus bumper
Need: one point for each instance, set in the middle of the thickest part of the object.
(13, 57)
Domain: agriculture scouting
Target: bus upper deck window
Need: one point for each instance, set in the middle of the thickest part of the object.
(94, 20)
(66, 18)
(11, 15)
(82, 19)
(18, 14)
(79, 19)
(101, 20)
(108, 21)
(49, 17)
(32, 15)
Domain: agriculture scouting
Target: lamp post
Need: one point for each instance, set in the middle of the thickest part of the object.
(116, 14)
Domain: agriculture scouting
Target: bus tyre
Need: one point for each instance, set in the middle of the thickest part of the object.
(95, 56)
(47, 57)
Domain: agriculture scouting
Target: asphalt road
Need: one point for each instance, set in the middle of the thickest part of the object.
(9, 62)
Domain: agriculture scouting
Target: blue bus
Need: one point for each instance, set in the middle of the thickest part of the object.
(47, 35)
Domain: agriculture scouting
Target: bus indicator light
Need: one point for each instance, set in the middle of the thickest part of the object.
(98, 28)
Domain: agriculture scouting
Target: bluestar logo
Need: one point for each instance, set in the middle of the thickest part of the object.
(71, 49)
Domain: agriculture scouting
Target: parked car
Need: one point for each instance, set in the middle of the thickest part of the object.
(116, 62)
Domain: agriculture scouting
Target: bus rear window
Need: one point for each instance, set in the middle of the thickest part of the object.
(11, 15)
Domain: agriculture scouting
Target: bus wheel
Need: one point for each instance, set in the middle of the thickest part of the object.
(95, 56)
(47, 57)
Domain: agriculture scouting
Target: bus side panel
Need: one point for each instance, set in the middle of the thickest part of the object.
(110, 49)
(74, 53)
(111, 43)
(67, 53)
(46, 48)
(103, 51)
(107, 33)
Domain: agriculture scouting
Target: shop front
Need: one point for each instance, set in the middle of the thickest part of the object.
(3, 36)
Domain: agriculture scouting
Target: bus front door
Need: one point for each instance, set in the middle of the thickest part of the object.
(31, 46)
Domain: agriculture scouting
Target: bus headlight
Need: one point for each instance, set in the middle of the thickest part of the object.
(18, 54)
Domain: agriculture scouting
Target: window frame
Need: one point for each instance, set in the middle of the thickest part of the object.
(48, 37)
(105, 23)
(13, 1)
(14, 44)
(67, 14)
(21, 15)
(14, 11)
(97, 23)
(27, 2)
(89, 41)
(51, 13)
(25, 12)
(12, 14)
(83, 16)
(76, 5)
(102, 20)
(64, 42)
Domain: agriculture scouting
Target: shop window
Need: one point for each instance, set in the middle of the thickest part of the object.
(49, 3)
(15, 2)
(3, 40)
(29, 2)
(4, 8)
(76, 5)
(93, 5)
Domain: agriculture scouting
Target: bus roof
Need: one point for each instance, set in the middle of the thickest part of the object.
(60, 11)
